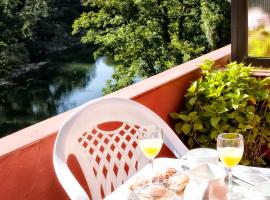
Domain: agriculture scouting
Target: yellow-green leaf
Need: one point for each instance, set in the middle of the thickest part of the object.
(184, 117)
(213, 134)
(193, 87)
(191, 142)
(214, 121)
(239, 119)
(198, 125)
(192, 101)
(202, 139)
(192, 114)
(186, 128)
(173, 115)
(178, 127)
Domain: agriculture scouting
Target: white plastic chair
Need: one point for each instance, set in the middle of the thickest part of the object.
(107, 158)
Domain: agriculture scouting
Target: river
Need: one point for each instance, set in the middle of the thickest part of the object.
(62, 86)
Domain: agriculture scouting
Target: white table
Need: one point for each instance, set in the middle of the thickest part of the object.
(161, 164)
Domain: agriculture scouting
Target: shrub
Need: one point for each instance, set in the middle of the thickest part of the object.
(227, 101)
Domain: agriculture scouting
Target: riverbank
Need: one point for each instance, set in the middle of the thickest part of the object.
(21, 74)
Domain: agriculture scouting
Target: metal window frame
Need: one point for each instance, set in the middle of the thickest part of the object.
(239, 35)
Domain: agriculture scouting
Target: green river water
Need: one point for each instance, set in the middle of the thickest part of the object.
(58, 88)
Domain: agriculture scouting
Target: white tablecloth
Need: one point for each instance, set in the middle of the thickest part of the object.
(161, 164)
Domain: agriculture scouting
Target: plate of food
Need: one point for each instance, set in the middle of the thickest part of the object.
(169, 185)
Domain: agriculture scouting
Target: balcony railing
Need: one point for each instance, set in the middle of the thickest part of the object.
(26, 156)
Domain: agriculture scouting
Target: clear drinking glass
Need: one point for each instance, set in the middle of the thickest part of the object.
(150, 141)
(230, 147)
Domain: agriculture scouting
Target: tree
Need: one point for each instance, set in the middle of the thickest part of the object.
(146, 37)
(17, 19)
(29, 29)
(52, 33)
(215, 22)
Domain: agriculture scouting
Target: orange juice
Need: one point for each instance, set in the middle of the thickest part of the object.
(230, 156)
(150, 147)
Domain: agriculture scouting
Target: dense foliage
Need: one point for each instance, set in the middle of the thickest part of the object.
(146, 37)
(17, 18)
(227, 101)
(30, 29)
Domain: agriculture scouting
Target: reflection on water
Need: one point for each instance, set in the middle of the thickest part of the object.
(60, 87)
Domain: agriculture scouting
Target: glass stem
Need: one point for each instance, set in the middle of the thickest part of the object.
(152, 166)
(230, 183)
(151, 170)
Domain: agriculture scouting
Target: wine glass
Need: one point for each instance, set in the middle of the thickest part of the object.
(150, 142)
(230, 147)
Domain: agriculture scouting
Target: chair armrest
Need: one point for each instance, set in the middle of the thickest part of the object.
(68, 181)
(173, 142)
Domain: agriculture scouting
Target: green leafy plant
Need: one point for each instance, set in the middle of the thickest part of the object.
(227, 101)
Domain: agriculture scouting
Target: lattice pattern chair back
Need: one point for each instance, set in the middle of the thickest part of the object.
(107, 158)
(114, 157)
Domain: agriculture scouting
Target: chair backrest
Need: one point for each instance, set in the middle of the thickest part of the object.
(107, 158)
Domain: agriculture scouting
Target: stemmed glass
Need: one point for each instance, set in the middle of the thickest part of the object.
(150, 141)
(230, 147)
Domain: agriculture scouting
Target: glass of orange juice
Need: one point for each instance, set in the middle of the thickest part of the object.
(230, 147)
(150, 141)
